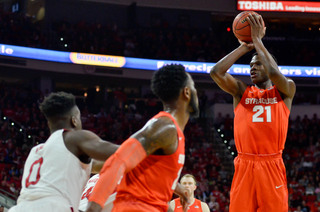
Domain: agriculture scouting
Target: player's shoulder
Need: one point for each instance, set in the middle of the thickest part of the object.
(158, 133)
(161, 124)
(205, 207)
(79, 134)
(37, 148)
(203, 202)
(165, 120)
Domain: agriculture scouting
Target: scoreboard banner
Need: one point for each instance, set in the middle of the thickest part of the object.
(280, 6)
(139, 63)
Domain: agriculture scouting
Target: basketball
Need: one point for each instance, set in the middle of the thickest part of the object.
(241, 27)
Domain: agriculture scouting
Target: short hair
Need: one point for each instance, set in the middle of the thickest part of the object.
(57, 104)
(189, 175)
(168, 81)
(275, 59)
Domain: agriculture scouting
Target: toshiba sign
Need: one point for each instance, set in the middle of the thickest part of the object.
(280, 6)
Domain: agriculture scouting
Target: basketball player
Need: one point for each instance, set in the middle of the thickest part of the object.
(56, 171)
(260, 126)
(195, 205)
(87, 192)
(149, 163)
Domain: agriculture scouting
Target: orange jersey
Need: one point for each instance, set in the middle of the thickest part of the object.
(153, 181)
(195, 207)
(261, 121)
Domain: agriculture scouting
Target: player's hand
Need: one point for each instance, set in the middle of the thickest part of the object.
(248, 46)
(258, 30)
(94, 207)
(185, 199)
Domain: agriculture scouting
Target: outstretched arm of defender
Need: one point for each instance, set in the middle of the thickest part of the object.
(284, 85)
(157, 134)
(86, 143)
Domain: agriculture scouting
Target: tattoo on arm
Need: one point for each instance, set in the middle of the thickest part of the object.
(160, 133)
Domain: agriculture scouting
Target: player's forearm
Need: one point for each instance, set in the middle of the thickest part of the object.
(110, 174)
(223, 65)
(184, 193)
(128, 156)
(179, 190)
(105, 149)
(96, 166)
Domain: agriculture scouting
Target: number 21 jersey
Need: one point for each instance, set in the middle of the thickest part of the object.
(261, 121)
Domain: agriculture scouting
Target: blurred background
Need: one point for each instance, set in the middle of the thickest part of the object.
(116, 102)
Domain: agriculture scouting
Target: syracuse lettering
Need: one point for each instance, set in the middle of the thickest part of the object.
(265, 101)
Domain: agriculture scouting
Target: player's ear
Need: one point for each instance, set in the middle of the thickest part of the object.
(187, 93)
(73, 121)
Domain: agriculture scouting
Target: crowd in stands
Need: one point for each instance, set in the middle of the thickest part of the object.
(164, 40)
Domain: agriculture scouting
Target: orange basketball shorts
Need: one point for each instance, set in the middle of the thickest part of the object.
(259, 184)
(127, 203)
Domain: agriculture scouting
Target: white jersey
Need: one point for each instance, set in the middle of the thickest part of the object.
(52, 170)
(87, 192)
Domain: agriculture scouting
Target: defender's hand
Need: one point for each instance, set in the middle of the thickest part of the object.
(185, 199)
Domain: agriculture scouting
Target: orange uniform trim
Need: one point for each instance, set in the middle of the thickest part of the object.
(128, 156)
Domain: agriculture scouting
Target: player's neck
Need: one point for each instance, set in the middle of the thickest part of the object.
(58, 125)
(264, 85)
(192, 200)
(179, 113)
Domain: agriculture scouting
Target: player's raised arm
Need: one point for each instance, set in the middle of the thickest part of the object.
(284, 85)
(224, 80)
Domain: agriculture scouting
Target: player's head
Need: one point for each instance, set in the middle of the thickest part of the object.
(189, 182)
(60, 109)
(258, 73)
(170, 81)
